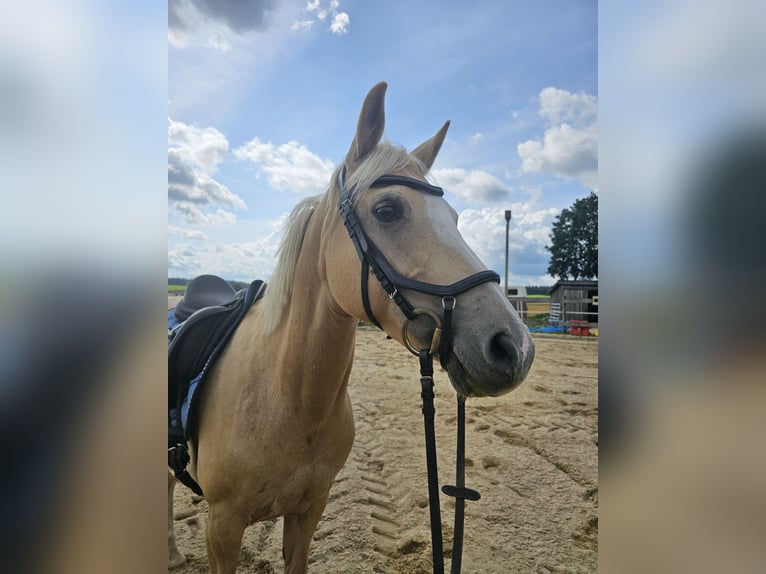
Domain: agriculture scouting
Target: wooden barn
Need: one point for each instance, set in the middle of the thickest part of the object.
(574, 303)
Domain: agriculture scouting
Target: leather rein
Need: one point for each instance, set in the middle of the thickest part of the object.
(441, 344)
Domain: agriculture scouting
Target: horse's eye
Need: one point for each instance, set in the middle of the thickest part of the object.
(387, 211)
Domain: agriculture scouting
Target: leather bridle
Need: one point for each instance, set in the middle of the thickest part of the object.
(392, 282)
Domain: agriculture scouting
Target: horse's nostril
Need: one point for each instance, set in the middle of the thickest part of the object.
(503, 351)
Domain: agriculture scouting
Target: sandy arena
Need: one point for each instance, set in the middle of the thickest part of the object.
(533, 456)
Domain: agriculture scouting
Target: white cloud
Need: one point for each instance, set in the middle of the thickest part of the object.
(290, 166)
(559, 106)
(204, 148)
(193, 157)
(190, 212)
(569, 147)
(240, 261)
(302, 25)
(476, 138)
(193, 214)
(484, 231)
(477, 186)
(190, 184)
(340, 23)
(187, 233)
(565, 151)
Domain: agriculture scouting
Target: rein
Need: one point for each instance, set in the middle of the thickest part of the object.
(459, 491)
(441, 344)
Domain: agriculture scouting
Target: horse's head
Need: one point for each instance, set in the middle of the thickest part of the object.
(417, 272)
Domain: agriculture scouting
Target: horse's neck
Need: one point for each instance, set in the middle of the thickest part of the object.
(315, 347)
(319, 349)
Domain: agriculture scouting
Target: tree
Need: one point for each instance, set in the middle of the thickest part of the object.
(574, 241)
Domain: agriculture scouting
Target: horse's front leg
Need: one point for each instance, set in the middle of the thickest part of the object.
(298, 531)
(175, 558)
(226, 524)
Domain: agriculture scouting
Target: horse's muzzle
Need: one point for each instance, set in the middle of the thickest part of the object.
(502, 366)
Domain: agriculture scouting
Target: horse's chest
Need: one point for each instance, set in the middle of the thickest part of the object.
(302, 473)
(316, 455)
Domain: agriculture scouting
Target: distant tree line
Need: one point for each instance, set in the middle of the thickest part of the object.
(183, 281)
(538, 289)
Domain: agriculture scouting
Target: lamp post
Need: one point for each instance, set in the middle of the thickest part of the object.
(507, 227)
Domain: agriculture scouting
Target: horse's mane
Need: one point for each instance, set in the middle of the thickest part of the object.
(280, 285)
(384, 159)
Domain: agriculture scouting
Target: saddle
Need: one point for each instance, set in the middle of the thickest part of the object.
(199, 328)
(204, 291)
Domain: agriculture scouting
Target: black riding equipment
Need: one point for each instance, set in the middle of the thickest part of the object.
(199, 328)
(204, 291)
(391, 281)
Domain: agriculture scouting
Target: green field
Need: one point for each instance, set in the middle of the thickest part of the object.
(176, 289)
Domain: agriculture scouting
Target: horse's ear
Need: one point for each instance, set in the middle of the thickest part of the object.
(428, 150)
(372, 121)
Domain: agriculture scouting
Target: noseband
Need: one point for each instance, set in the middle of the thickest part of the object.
(392, 281)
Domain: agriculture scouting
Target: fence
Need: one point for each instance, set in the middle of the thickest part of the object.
(567, 315)
(570, 314)
(521, 305)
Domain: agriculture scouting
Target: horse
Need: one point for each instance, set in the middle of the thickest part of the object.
(275, 422)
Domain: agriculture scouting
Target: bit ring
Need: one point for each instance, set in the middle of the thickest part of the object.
(436, 338)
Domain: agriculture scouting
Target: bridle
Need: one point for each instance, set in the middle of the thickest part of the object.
(441, 343)
(392, 281)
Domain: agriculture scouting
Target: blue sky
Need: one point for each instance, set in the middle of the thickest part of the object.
(263, 102)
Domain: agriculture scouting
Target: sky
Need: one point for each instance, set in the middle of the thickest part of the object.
(264, 97)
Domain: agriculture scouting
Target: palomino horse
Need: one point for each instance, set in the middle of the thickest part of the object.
(275, 424)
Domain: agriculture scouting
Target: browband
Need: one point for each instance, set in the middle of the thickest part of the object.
(384, 180)
(423, 186)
